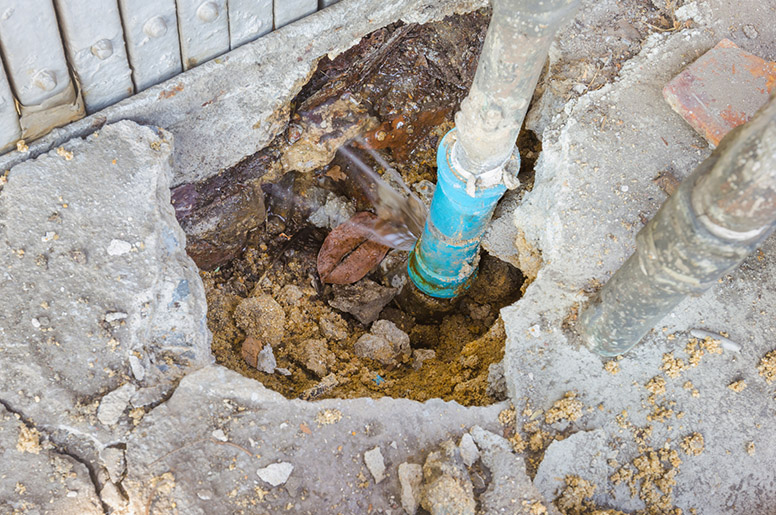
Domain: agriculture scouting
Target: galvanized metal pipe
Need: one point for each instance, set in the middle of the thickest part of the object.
(477, 161)
(717, 217)
(514, 52)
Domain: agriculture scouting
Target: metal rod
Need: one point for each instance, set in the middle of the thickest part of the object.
(717, 217)
(514, 52)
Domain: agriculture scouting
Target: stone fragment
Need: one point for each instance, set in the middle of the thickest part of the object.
(118, 247)
(325, 385)
(266, 361)
(261, 317)
(318, 359)
(497, 383)
(364, 299)
(333, 327)
(290, 294)
(468, 449)
(386, 343)
(750, 31)
(721, 90)
(410, 478)
(421, 355)
(137, 367)
(111, 496)
(447, 488)
(112, 406)
(115, 316)
(275, 474)
(510, 485)
(375, 463)
(112, 459)
(334, 212)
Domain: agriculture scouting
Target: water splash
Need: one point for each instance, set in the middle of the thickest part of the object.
(402, 214)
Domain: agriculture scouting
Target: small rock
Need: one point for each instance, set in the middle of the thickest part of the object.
(137, 367)
(387, 344)
(497, 383)
(468, 449)
(448, 488)
(111, 496)
(118, 247)
(326, 384)
(265, 361)
(410, 477)
(261, 317)
(364, 299)
(478, 311)
(219, 435)
(205, 495)
(333, 327)
(334, 212)
(112, 459)
(375, 347)
(421, 355)
(750, 31)
(375, 463)
(318, 359)
(115, 316)
(283, 371)
(113, 404)
(290, 294)
(275, 474)
(390, 331)
(425, 190)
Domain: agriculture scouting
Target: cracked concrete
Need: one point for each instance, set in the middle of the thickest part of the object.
(110, 398)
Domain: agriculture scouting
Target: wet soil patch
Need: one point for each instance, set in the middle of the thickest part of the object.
(271, 316)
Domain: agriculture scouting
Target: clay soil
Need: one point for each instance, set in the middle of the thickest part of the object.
(412, 78)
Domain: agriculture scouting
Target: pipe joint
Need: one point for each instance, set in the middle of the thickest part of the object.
(444, 261)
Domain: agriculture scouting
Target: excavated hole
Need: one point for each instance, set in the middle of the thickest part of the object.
(411, 80)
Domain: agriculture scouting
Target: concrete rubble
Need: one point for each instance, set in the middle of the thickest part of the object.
(109, 398)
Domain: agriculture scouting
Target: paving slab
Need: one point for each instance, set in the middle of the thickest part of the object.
(723, 89)
(103, 311)
(594, 189)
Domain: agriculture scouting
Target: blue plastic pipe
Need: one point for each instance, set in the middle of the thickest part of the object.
(476, 160)
(444, 262)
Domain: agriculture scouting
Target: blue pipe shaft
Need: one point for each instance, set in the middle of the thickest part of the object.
(444, 261)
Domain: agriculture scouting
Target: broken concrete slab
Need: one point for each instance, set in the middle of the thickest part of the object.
(325, 442)
(585, 454)
(95, 273)
(593, 191)
(723, 89)
(511, 490)
(239, 102)
(36, 477)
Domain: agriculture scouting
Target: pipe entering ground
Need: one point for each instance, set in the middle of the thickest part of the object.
(478, 161)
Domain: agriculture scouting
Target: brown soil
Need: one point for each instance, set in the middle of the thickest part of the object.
(412, 80)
